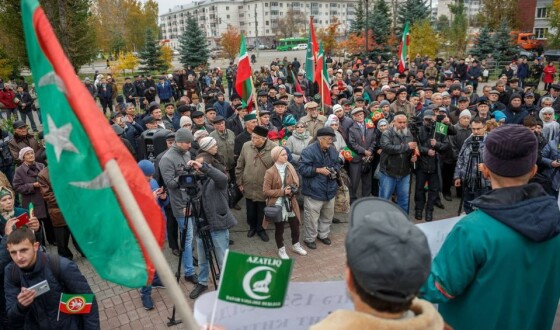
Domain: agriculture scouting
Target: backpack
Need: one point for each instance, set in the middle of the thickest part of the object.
(54, 265)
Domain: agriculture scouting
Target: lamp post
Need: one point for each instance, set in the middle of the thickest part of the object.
(366, 28)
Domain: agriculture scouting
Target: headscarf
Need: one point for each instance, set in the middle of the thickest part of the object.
(330, 120)
(275, 153)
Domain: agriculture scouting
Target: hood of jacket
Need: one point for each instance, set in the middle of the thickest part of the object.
(526, 209)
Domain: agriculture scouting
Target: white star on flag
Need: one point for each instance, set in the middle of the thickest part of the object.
(59, 138)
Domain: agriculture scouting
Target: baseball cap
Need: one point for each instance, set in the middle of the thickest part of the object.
(388, 256)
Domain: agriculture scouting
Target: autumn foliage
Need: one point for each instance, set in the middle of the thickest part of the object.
(328, 35)
(230, 42)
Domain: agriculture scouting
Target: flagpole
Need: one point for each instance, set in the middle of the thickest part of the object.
(322, 93)
(132, 209)
(255, 100)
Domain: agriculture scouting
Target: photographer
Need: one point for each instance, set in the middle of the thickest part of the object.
(469, 163)
(216, 215)
(172, 165)
(397, 155)
(430, 145)
(319, 166)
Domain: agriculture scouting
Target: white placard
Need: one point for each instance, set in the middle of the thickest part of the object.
(437, 231)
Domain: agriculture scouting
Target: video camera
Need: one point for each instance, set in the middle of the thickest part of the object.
(188, 179)
(476, 143)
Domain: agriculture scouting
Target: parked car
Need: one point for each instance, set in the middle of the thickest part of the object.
(522, 53)
(552, 55)
(300, 47)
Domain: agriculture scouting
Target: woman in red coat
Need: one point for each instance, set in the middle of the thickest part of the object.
(548, 75)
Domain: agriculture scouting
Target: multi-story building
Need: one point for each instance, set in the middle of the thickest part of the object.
(533, 16)
(472, 8)
(259, 20)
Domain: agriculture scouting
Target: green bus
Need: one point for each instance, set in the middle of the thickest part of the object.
(289, 43)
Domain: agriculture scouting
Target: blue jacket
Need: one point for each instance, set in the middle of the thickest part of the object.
(549, 154)
(221, 108)
(42, 313)
(164, 90)
(315, 185)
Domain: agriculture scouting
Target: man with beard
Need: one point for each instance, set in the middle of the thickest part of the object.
(397, 156)
(313, 119)
(514, 113)
(22, 139)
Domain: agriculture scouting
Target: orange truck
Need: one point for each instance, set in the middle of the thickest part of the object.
(527, 41)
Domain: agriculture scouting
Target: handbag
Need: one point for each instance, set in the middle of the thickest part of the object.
(234, 194)
(274, 213)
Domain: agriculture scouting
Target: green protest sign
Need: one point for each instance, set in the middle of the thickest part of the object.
(441, 128)
(254, 280)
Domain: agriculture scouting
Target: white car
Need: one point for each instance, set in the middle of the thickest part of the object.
(300, 47)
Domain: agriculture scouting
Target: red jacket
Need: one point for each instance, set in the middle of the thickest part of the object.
(548, 74)
(7, 98)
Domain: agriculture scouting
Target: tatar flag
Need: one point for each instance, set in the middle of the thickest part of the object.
(254, 280)
(311, 54)
(297, 86)
(243, 83)
(403, 50)
(322, 78)
(75, 303)
(441, 128)
(82, 148)
(347, 153)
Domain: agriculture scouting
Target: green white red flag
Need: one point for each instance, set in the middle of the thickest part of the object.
(243, 83)
(80, 144)
(75, 303)
(311, 53)
(297, 86)
(403, 49)
(322, 78)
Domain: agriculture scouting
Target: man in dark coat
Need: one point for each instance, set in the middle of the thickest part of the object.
(361, 139)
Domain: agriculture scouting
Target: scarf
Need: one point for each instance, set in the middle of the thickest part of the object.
(302, 136)
(291, 170)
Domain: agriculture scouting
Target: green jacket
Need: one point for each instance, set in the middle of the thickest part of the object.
(499, 267)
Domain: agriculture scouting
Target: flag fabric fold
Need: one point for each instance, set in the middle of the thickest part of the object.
(79, 144)
(311, 53)
(243, 83)
(322, 78)
(403, 49)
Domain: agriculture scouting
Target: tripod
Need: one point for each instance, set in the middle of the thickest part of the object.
(473, 182)
(193, 199)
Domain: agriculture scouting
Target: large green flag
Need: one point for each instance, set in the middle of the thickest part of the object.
(82, 149)
(254, 281)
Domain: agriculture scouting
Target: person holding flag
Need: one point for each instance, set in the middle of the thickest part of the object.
(39, 309)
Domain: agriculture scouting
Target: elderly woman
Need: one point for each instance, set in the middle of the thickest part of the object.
(26, 183)
(298, 140)
(334, 123)
(550, 126)
(279, 182)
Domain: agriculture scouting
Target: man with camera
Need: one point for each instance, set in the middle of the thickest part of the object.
(172, 166)
(430, 145)
(319, 167)
(397, 155)
(215, 219)
(469, 163)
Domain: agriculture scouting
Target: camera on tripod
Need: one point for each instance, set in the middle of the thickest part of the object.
(476, 139)
(188, 179)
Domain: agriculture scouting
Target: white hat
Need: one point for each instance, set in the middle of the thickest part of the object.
(465, 113)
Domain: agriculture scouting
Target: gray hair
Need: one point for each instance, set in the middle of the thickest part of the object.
(547, 99)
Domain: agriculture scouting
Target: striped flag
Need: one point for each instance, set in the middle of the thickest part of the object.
(321, 77)
(243, 83)
(311, 54)
(89, 164)
(403, 50)
(75, 303)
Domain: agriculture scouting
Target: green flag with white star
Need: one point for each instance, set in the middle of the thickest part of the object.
(80, 146)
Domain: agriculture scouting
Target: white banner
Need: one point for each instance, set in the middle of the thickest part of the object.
(437, 231)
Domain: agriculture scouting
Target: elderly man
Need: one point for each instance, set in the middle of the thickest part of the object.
(318, 166)
(361, 139)
(313, 120)
(254, 159)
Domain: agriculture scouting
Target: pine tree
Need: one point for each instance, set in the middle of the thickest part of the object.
(412, 11)
(503, 46)
(192, 45)
(483, 45)
(357, 25)
(380, 22)
(442, 23)
(150, 56)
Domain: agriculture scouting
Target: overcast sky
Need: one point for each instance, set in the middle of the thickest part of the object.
(164, 5)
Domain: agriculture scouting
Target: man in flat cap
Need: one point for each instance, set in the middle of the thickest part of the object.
(388, 260)
(497, 268)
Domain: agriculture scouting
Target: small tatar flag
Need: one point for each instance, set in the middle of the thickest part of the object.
(254, 280)
(76, 303)
(347, 153)
(441, 128)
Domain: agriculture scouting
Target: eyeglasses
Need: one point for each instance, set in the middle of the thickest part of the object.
(300, 126)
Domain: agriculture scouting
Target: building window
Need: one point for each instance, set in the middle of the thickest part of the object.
(540, 33)
(542, 12)
(267, 31)
(266, 4)
(227, 16)
(267, 23)
(227, 8)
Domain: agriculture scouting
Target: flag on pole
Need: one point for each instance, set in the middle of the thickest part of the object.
(75, 303)
(322, 78)
(254, 280)
(311, 54)
(79, 144)
(297, 86)
(441, 128)
(243, 84)
(403, 50)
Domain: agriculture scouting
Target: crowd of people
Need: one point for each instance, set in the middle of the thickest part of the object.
(290, 156)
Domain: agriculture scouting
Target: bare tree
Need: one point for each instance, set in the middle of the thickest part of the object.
(291, 24)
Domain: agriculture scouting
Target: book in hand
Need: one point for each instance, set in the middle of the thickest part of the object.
(22, 220)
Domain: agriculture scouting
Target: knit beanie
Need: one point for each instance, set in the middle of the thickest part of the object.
(206, 143)
(499, 115)
(383, 103)
(290, 120)
(330, 120)
(23, 151)
(183, 135)
(147, 167)
(185, 120)
(465, 113)
(201, 133)
(510, 150)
